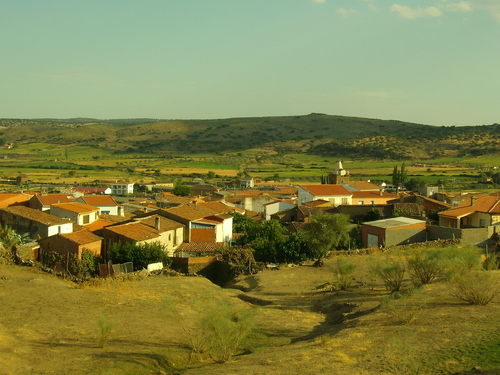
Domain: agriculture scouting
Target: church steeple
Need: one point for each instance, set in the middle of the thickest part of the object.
(339, 175)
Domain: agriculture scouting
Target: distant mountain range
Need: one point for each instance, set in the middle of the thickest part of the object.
(315, 133)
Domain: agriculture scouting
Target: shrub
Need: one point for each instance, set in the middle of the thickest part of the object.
(491, 262)
(343, 272)
(457, 262)
(476, 288)
(105, 328)
(227, 328)
(214, 327)
(392, 272)
(424, 267)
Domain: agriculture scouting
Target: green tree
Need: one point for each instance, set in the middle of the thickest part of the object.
(181, 190)
(140, 254)
(399, 176)
(244, 225)
(414, 184)
(268, 242)
(326, 233)
(296, 248)
(372, 215)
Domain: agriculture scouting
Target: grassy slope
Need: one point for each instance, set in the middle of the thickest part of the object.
(48, 325)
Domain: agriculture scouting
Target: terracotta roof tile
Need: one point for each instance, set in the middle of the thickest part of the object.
(200, 247)
(81, 237)
(98, 200)
(360, 186)
(214, 207)
(187, 212)
(75, 207)
(165, 223)
(98, 224)
(326, 190)
(486, 204)
(36, 215)
(50, 199)
(135, 231)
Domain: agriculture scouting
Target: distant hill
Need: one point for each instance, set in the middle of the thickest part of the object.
(315, 133)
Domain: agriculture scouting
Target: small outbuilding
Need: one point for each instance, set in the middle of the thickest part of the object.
(393, 232)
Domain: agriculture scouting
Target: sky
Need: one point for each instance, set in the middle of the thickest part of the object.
(434, 62)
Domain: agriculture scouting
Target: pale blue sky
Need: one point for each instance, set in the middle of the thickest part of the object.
(434, 62)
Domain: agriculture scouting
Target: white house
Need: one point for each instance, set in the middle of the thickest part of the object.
(37, 223)
(79, 213)
(122, 188)
(275, 207)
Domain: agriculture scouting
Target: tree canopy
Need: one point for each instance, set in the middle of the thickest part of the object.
(327, 232)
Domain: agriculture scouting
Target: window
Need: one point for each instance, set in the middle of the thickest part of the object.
(482, 223)
(345, 201)
(85, 219)
(372, 202)
(361, 202)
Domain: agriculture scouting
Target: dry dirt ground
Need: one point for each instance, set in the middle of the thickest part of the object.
(50, 326)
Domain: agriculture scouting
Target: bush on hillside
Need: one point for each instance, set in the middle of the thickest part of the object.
(476, 288)
(343, 271)
(392, 272)
(424, 266)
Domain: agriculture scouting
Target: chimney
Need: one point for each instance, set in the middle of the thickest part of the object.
(157, 223)
(120, 211)
(472, 201)
(381, 192)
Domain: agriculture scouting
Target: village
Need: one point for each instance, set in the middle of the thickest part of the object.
(190, 229)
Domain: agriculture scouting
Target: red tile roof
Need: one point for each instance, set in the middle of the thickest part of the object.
(36, 215)
(75, 207)
(187, 212)
(200, 247)
(165, 223)
(10, 199)
(81, 237)
(362, 185)
(135, 231)
(50, 199)
(488, 204)
(98, 224)
(326, 190)
(98, 200)
(214, 207)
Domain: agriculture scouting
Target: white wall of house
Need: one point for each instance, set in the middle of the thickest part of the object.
(303, 196)
(122, 189)
(61, 228)
(227, 230)
(335, 200)
(78, 218)
(171, 239)
(255, 204)
(275, 207)
(111, 210)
